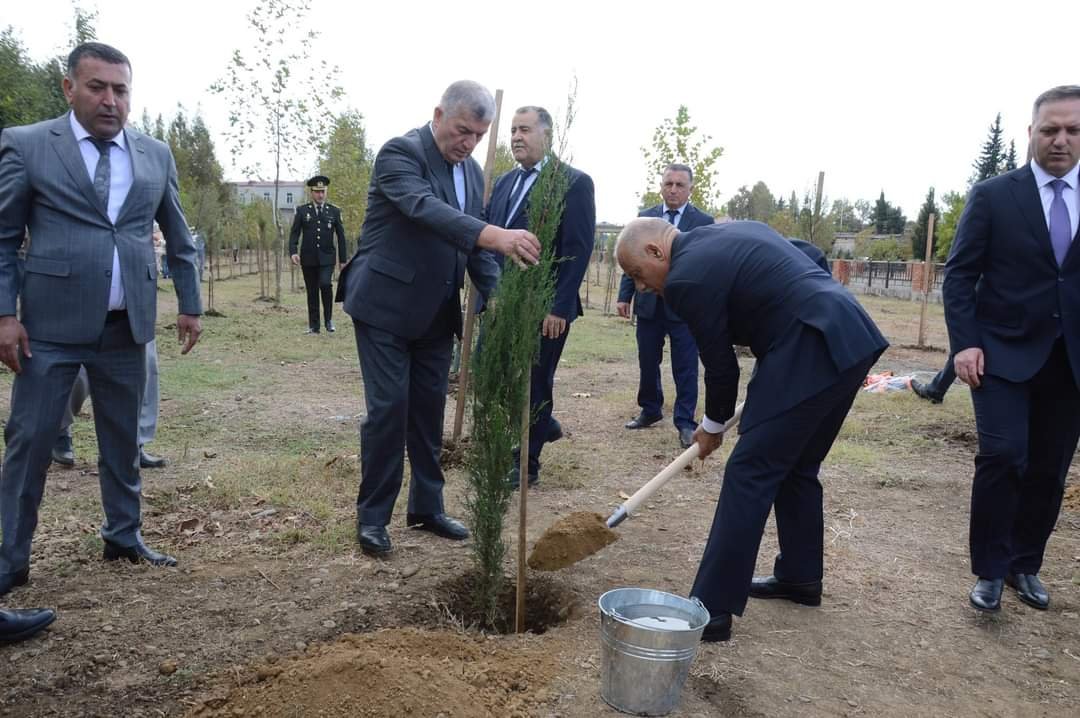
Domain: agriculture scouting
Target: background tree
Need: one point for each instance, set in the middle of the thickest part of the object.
(347, 161)
(762, 202)
(504, 161)
(278, 100)
(954, 203)
(676, 140)
(1010, 158)
(991, 161)
(918, 239)
(738, 207)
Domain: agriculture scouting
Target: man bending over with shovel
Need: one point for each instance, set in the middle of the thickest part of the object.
(742, 283)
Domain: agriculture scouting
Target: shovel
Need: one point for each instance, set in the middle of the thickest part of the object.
(641, 495)
(581, 534)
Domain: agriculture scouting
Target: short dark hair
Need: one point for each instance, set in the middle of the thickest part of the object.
(543, 115)
(98, 50)
(1055, 94)
(677, 167)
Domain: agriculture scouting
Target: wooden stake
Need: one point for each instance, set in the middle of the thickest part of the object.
(928, 269)
(523, 502)
(470, 288)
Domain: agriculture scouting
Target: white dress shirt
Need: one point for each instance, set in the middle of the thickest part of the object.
(678, 214)
(120, 178)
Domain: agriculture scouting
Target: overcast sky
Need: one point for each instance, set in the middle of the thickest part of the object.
(891, 96)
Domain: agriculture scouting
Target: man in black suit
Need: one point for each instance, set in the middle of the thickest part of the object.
(742, 283)
(402, 289)
(1012, 306)
(530, 142)
(18, 624)
(656, 320)
(316, 256)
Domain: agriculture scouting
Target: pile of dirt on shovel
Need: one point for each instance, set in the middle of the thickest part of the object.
(572, 538)
(395, 672)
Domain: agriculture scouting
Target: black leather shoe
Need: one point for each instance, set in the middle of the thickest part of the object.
(330, 326)
(438, 524)
(149, 461)
(373, 540)
(136, 553)
(554, 432)
(312, 330)
(1029, 589)
(20, 624)
(805, 594)
(641, 421)
(717, 629)
(9, 581)
(923, 391)
(514, 478)
(686, 437)
(62, 453)
(986, 594)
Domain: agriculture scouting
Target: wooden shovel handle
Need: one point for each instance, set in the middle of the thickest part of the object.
(631, 505)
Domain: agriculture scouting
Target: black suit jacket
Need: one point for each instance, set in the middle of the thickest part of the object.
(314, 233)
(416, 242)
(742, 283)
(573, 241)
(1003, 290)
(645, 302)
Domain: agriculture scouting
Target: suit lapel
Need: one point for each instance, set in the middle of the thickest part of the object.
(440, 168)
(67, 149)
(1026, 194)
(139, 170)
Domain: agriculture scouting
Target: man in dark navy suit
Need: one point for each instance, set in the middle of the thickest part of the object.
(402, 289)
(656, 320)
(1012, 306)
(530, 142)
(742, 283)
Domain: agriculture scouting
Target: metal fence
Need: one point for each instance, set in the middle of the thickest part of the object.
(889, 275)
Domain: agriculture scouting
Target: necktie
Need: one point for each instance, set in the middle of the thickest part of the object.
(1060, 228)
(104, 169)
(671, 215)
(524, 175)
(318, 210)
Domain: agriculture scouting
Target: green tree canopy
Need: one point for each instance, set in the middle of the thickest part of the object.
(992, 158)
(918, 239)
(347, 161)
(678, 141)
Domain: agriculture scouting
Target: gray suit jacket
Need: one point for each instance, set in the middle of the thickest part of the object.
(64, 293)
(415, 242)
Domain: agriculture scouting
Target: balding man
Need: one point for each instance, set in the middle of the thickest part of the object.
(742, 283)
(401, 288)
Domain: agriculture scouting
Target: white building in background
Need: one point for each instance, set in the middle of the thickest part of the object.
(290, 194)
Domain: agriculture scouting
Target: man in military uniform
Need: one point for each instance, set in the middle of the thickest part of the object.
(316, 255)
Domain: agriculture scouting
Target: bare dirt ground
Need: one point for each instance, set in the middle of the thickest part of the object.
(273, 611)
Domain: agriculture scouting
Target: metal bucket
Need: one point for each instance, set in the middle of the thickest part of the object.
(648, 641)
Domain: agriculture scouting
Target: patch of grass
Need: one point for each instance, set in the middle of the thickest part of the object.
(596, 338)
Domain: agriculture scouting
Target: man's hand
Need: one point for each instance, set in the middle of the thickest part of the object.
(188, 329)
(969, 366)
(519, 245)
(707, 443)
(295, 259)
(623, 308)
(553, 326)
(13, 338)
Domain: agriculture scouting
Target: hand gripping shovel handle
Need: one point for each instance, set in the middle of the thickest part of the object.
(631, 505)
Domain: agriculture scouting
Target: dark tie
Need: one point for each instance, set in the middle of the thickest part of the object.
(1060, 228)
(523, 177)
(318, 210)
(671, 215)
(103, 171)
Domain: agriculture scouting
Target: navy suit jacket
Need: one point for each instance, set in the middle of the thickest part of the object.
(573, 241)
(1003, 290)
(416, 242)
(645, 302)
(742, 283)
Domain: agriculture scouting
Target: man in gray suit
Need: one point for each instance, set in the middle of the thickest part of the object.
(401, 288)
(88, 191)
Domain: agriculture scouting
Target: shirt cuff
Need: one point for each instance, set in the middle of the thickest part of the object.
(713, 427)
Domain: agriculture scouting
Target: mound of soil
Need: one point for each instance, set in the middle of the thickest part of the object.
(1071, 502)
(398, 672)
